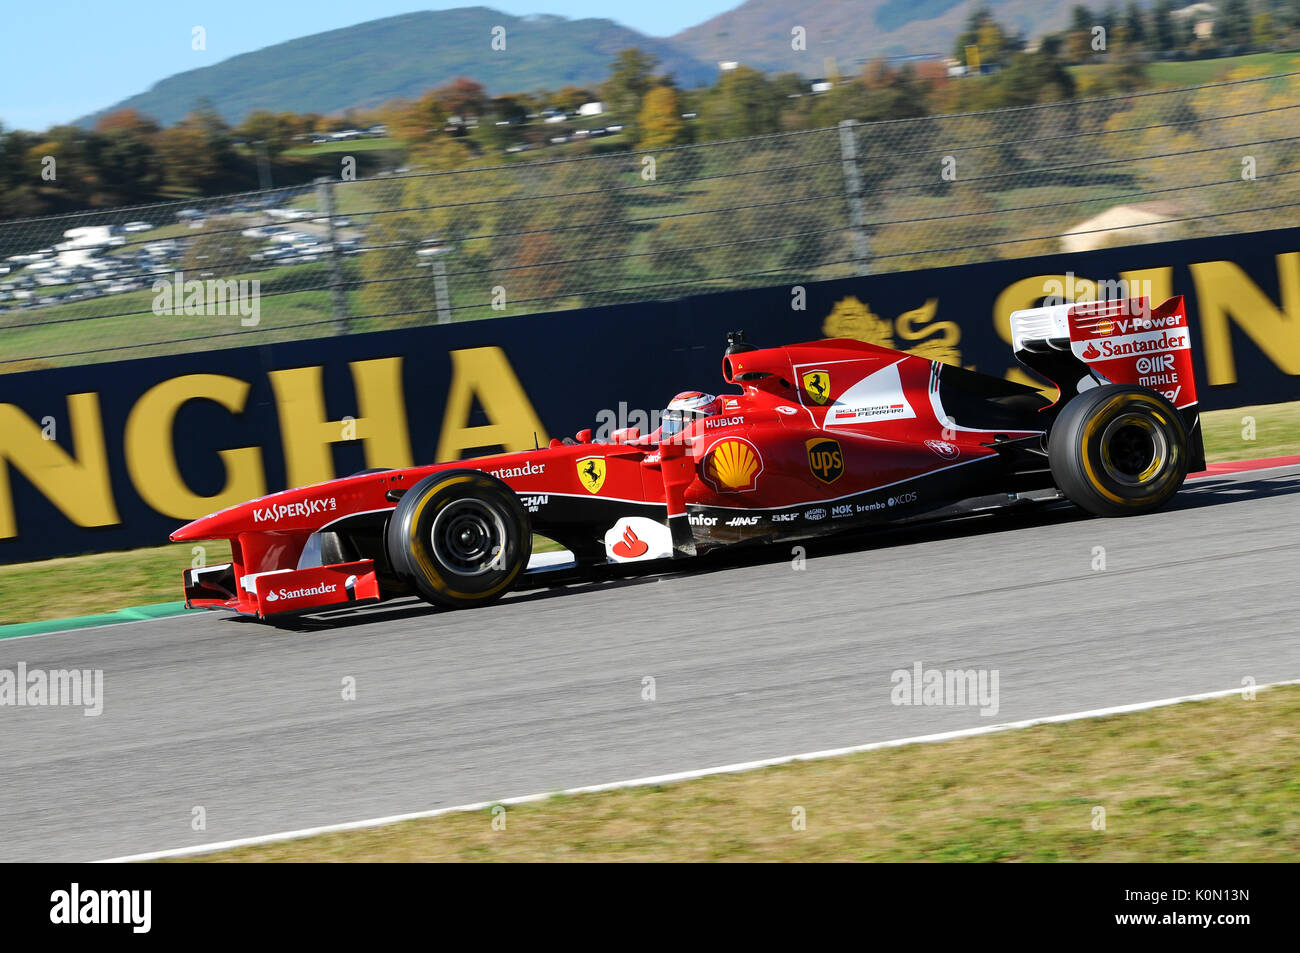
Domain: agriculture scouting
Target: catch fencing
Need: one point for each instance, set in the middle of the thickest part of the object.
(571, 231)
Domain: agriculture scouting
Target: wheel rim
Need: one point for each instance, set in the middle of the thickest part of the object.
(468, 537)
(1133, 449)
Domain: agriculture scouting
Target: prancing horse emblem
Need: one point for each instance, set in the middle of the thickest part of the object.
(817, 384)
(591, 473)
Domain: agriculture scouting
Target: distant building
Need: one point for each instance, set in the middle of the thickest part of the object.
(1202, 16)
(1121, 225)
(1198, 11)
(727, 66)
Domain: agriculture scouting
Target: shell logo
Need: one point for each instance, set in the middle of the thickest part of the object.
(733, 466)
(1105, 327)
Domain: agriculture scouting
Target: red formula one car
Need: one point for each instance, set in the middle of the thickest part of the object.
(820, 438)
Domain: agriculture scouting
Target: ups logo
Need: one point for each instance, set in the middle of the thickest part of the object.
(825, 459)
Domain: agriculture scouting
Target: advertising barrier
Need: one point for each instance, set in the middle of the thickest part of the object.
(114, 456)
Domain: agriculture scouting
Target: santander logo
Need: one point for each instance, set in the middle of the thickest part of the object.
(1091, 352)
(323, 589)
(630, 546)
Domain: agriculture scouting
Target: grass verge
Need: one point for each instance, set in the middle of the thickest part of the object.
(103, 582)
(1250, 433)
(1205, 781)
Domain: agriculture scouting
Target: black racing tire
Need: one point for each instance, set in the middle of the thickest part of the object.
(459, 538)
(1117, 450)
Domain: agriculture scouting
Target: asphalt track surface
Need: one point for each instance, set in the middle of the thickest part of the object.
(543, 691)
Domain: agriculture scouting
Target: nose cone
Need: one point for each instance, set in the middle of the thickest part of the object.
(214, 526)
(223, 524)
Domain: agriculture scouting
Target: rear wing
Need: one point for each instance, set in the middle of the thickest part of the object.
(1125, 341)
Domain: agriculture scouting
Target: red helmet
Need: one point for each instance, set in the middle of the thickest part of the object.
(686, 407)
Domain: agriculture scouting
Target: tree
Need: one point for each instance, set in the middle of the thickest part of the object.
(123, 149)
(1289, 14)
(463, 98)
(269, 129)
(127, 166)
(995, 44)
(660, 120)
(1027, 79)
(415, 121)
(877, 94)
(741, 103)
(1135, 33)
(196, 152)
(220, 252)
(1233, 22)
(630, 78)
(127, 120)
(1162, 25)
(570, 98)
(1262, 29)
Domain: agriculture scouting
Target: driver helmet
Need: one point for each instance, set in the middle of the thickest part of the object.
(687, 407)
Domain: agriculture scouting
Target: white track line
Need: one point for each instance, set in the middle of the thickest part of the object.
(687, 775)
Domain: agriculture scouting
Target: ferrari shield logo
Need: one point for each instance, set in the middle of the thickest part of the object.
(591, 473)
(817, 385)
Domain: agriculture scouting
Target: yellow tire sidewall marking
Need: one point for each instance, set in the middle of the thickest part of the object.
(426, 564)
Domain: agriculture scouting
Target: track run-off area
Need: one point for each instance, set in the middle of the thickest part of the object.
(405, 709)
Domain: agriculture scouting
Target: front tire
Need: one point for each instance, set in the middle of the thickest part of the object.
(1117, 450)
(459, 538)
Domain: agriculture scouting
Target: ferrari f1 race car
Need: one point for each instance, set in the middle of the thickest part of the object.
(822, 437)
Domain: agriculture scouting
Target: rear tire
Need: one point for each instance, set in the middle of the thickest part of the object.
(459, 538)
(1117, 450)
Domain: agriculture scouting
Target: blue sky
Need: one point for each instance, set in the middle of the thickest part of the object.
(62, 59)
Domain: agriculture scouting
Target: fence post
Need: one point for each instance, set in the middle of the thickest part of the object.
(440, 294)
(853, 195)
(338, 300)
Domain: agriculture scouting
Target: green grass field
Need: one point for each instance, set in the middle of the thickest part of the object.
(1252, 433)
(385, 144)
(1206, 781)
(1199, 72)
(102, 582)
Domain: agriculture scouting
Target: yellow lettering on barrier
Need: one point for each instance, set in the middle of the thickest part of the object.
(78, 485)
(1224, 292)
(1155, 283)
(308, 435)
(151, 454)
(485, 372)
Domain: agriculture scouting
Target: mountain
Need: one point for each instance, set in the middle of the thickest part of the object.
(372, 62)
(757, 33)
